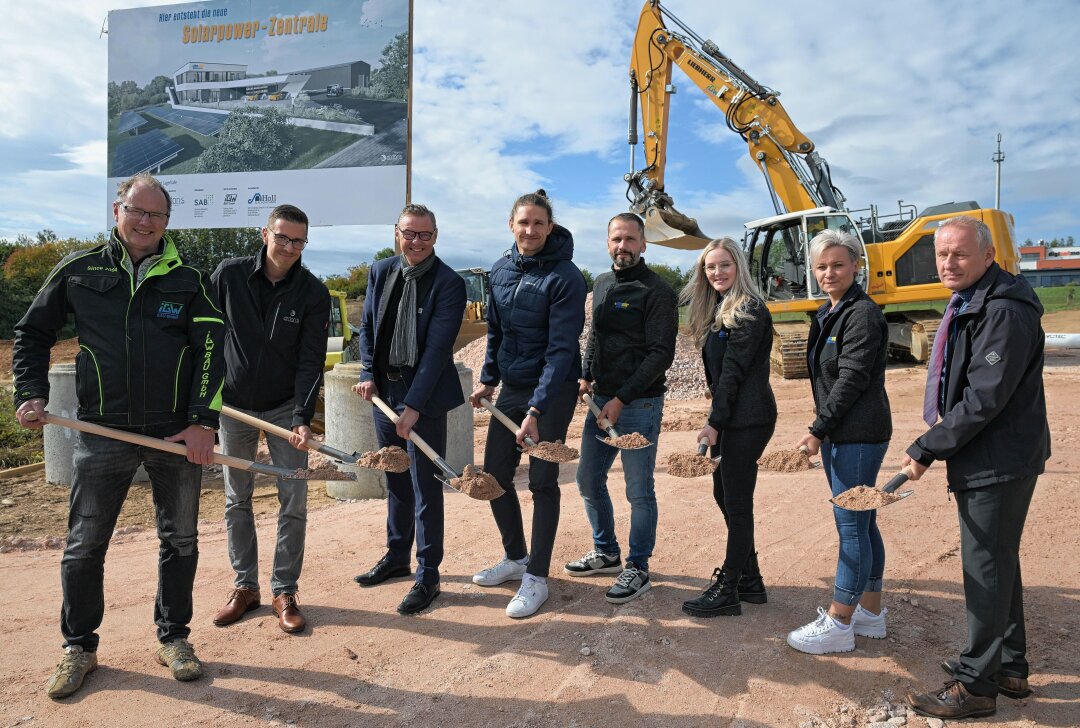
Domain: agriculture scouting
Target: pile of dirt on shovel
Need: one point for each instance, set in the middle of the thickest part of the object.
(477, 484)
(632, 441)
(689, 465)
(326, 472)
(391, 459)
(555, 452)
(864, 498)
(785, 461)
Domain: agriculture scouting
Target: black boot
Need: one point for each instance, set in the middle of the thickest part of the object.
(751, 587)
(721, 598)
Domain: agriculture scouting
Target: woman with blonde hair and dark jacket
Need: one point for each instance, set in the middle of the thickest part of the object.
(730, 322)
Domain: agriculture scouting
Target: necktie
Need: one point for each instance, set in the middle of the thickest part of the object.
(937, 361)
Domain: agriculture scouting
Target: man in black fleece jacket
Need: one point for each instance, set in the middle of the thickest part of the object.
(275, 350)
(631, 344)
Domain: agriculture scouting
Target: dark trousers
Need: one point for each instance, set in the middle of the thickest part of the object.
(991, 524)
(734, 481)
(501, 458)
(103, 472)
(414, 499)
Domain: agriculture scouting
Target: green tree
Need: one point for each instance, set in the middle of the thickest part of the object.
(384, 254)
(204, 249)
(249, 143)
(672, 276)
(31, 265)
(391, 79)
(589, 280)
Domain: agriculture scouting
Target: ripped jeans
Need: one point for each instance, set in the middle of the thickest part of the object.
(103, 470)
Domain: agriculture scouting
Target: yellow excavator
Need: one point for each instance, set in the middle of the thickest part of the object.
(898, 248)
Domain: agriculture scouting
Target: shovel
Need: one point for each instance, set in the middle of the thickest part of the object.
(607, 426)
(449, 475)
(498, 414)
(173, 447)
(340, 456)
(872, 498)
(682, 465)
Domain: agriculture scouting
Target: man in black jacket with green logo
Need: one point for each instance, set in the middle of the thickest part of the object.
(985, 383)
(275, 350)
(149, 363)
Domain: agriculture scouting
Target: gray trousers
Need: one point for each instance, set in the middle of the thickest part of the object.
(242, 440)
(991, 524)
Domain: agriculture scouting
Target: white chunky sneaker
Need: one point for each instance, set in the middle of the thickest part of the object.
(505, 570)
(868, 624)
(822, 636)
(530, 596)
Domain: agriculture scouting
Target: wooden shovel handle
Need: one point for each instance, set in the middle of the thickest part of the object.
(417, 440)
(510, 424)
(144, 440)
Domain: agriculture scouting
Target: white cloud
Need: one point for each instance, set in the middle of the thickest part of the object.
(903, 99)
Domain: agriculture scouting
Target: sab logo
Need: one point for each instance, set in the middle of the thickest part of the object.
(203, 201)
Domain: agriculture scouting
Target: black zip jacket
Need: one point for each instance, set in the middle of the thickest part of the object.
(272, 359)
(737, 371)
(846, 356)
(150, 346)
(994, 428)
(631, 341)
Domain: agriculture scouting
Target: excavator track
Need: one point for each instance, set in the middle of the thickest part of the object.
(911, 334)
(788, 356)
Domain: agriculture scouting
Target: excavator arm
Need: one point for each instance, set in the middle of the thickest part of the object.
(797, 177)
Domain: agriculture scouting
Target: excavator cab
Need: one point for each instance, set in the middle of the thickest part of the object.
(778, 249)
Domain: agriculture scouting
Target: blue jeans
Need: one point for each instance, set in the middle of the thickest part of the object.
(103, 471)
(861, 563)
(242, 440)
(642, 416)
(414, 500)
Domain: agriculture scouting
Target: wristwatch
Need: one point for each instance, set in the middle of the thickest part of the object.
(208, 427)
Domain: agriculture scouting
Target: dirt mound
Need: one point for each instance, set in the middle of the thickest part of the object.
(689, 465)
(555, 452)
(864, 498)
(785, 461)
(391, 459)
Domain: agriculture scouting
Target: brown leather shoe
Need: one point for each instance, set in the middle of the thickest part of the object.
(952, 701)
(1016, 688)
(241, 601)
(287, 610)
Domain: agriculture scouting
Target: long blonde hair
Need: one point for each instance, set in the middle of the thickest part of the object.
(700, 297)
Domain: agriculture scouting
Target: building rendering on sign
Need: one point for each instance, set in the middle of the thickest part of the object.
(210, 83)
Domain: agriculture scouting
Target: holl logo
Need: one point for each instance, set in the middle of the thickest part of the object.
(262, 197)
(169, 310)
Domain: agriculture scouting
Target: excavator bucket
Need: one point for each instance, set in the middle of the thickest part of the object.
(669, 227)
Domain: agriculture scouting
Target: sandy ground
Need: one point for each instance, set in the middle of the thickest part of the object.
(580, 661)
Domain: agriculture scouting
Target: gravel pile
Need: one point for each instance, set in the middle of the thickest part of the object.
(685, 378)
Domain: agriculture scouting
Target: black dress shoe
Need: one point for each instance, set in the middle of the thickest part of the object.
(382, 571)
(419, 598)
(1016, 688)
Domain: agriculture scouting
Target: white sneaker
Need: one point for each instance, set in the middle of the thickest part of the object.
(505, 570)
(868, 624)
(530, 596)
(822, 636)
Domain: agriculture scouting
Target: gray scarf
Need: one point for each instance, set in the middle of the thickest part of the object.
(403, 343)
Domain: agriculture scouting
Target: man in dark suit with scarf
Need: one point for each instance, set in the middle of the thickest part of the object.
(412, 313)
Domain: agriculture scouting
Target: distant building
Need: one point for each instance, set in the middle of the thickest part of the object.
(208, 83)
(1043, 266)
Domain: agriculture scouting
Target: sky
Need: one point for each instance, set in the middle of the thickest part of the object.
(904, 100)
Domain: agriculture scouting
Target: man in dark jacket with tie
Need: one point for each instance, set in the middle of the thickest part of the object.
(985, 382)
(412, 313)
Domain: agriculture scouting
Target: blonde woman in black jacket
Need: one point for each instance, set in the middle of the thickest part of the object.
(846, 358)
(729, 321)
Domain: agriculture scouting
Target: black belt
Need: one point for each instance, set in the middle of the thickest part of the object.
(392, 375)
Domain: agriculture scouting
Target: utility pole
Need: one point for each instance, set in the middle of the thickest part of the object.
(999, 157)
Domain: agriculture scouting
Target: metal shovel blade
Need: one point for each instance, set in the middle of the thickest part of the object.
(605, 441)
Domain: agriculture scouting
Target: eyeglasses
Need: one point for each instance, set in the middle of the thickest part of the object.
(137, 213)
(285, 241)
(413, 235)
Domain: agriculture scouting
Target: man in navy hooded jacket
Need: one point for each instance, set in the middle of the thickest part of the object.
(412, 313)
